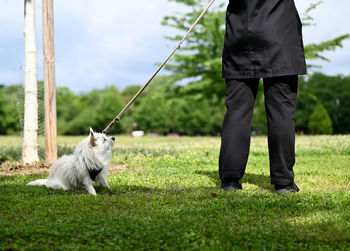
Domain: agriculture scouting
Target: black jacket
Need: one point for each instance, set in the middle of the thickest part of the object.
(263, 39)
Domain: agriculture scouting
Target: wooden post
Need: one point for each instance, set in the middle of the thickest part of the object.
(49, 83)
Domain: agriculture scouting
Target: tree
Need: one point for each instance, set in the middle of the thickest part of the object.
(30, 130)
(109, 104)
(320, 122)
(67, 110)
(2, 112)
(13, 104)
(198, 63)
(152, 115)
(129, 92)
(334, 94)
(199, 60)
(93, 109)
(191, 117)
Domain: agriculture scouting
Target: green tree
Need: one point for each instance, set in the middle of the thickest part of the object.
(2, 112)
(129, 92)
(67, 109)
(198, 63)
(164, 110)
(152, 114)
(190, 116)
(10, 104)
(93, 109)
(320, 122)
(333, 92)
(199, 60)
(110, 103)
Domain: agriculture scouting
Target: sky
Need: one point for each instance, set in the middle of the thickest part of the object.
(99, 43)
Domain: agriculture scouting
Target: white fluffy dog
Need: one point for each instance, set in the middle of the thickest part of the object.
(88, 164)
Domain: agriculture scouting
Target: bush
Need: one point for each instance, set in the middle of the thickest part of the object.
(2, 113)
(320, 122)
(191, 117)
(152, 115)
(94, 109)
(108, 107)
(334, 94)
(9, 109)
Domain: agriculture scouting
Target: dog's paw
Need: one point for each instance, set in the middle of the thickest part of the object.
(93, 193)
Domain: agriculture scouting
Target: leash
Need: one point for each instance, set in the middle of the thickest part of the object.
(117, 118)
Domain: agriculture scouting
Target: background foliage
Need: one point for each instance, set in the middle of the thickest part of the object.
(320, 122)
(164, 108)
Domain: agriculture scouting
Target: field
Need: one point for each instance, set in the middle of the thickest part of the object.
(165, 195)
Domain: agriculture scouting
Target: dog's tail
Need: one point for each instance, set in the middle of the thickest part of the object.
(40, 182)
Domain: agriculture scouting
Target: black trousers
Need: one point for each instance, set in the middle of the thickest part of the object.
(280, 100)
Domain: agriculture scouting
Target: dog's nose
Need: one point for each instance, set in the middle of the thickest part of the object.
(113, 138)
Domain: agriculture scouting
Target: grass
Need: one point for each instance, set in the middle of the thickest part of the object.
(169, 198)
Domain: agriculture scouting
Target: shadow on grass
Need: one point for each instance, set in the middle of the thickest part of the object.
(15, 153)
(261, 180)
(171, 217)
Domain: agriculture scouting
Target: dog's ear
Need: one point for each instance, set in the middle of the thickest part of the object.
(92, 137)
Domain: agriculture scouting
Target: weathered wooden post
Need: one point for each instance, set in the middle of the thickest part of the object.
(49, 83)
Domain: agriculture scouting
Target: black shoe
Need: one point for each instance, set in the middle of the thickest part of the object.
(291, 188)
(229, 184)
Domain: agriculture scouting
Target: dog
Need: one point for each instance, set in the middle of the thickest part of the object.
(80, 170)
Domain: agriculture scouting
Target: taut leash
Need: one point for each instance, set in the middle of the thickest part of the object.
(117, 118)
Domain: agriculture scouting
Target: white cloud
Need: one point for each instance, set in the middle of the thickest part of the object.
(113, 39)
(330, 19)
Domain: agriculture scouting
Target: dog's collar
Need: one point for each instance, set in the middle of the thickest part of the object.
(94, 172)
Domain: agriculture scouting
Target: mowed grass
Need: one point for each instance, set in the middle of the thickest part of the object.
(168, 197)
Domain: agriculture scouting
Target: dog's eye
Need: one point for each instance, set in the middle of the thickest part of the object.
(104, 140)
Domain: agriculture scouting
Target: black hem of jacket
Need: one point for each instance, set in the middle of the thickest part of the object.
(249, 75)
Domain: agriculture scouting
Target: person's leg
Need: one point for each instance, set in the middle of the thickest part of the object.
(235, 137)
(280, 102)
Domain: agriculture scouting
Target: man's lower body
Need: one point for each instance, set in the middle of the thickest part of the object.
(280, 101)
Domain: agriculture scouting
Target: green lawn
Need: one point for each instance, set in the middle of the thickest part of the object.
(168, 197)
